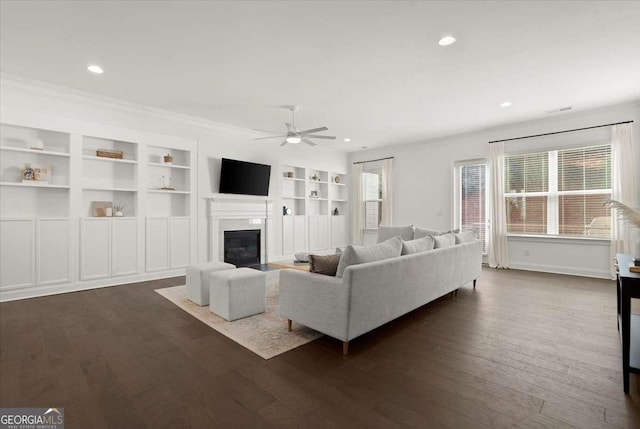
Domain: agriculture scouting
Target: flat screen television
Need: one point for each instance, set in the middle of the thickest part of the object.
(247, 178)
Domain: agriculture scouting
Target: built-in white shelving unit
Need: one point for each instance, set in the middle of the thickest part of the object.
(53, 239)
(312, 196)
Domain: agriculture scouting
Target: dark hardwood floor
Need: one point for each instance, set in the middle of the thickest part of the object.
(522, 350)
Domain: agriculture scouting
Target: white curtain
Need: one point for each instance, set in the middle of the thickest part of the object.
(624, 238)
(387, 205)
(356, 224)
(498, 246)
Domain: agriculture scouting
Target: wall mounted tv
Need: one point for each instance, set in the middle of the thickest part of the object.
(247, 178)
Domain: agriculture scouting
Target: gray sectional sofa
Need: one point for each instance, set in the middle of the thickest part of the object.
(371, 294)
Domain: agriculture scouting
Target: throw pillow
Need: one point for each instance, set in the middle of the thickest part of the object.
(465, 237)
(353, 255)
(444, 240)
(421, 232)
(387, 232)
(324, 264)
(418, 245)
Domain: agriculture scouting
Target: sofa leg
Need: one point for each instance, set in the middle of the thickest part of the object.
(474, 283)
(289, 325)
(345, 348)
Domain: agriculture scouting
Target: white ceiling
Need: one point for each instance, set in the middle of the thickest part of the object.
(371, 71)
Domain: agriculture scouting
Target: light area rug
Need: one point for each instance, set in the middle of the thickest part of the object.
(264, 334)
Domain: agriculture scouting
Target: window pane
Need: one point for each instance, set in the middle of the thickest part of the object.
(527, 215)
(372, 185)
(372, 214)
(584, 169)
(473, 200)
(584, 215)
(527, 173)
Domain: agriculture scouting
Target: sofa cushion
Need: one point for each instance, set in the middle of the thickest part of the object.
(418, 245)
(422, 232)
(324, 264)
(444, 240)
(353, 255)
(387, 232)
(465, 237)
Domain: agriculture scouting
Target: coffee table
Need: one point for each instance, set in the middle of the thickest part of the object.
(303, 266)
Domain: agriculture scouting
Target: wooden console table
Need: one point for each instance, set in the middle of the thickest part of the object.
(628, 286)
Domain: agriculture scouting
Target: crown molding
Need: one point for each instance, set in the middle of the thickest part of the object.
(9, 81)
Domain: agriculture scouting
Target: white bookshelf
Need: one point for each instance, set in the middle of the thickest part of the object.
(313, 195)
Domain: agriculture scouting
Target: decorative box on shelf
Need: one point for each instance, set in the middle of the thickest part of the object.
(108, 153)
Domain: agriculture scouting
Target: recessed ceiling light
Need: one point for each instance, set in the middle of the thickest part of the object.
(347, 139)
(364, 147)
(447, 40)
(95, 69)
(505, 104)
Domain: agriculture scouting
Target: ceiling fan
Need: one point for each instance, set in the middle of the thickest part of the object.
(293, 136)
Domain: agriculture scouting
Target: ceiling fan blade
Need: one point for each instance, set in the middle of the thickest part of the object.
(318, 136)
(283, 143)
(267, 131)
(307, 141)
(270, 137)
(312, 130)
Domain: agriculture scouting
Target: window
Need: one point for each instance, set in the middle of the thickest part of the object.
(559, 192)
(372, 197)
(471, 199)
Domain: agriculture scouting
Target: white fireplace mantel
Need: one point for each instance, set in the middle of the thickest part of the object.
(232, 210)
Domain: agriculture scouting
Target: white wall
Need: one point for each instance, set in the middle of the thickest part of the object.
(423, 187)
(215, 141)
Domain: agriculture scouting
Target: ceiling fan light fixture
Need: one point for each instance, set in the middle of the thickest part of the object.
(293, 139)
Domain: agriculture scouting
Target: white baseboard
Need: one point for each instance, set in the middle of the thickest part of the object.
(558, 269)
(37, 291)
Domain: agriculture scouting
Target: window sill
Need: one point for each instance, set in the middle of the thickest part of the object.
(560, 239)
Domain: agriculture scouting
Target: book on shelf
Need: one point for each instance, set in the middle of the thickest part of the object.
(634, 268)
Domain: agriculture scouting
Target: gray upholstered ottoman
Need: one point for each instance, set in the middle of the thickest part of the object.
(198, 280)
(235, 294)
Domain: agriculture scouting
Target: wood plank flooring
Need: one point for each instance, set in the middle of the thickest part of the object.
(522, 350)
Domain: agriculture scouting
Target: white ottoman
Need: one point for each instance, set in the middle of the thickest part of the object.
(198, 280)
(235, 294)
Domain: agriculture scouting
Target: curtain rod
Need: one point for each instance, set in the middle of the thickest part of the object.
(561, 132)
(374, 160)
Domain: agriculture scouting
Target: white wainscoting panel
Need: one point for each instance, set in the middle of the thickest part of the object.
(17, 253)
(95, 248)
(124, 246)
(53, 247)
(157, 243)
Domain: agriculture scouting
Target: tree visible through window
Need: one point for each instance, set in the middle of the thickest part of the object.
(559, 192)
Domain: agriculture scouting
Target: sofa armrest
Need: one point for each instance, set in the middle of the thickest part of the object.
(315, 300)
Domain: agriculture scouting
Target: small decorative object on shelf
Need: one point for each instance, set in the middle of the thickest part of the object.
(36, 144)
(315, 177)
(288, 174)
(118, 210)
(107, 153)
(42, 173)
(28, 174)
(166, 184)
(168, 159)
(336, 179)
(286, 211)
(102, 208)
(314, 194)
(336, 212)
